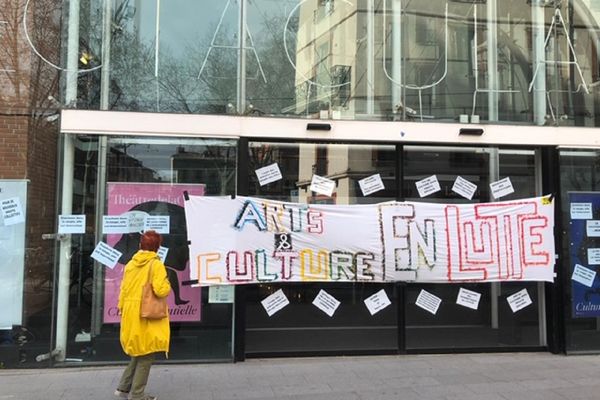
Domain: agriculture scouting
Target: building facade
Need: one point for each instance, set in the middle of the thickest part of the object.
(157, 98)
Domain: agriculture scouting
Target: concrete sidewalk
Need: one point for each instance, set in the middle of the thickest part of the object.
(507, 376)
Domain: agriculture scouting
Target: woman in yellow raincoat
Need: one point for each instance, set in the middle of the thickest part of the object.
(141, 338)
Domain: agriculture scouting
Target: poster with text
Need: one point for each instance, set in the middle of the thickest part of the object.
(138, 201)
(582, 244)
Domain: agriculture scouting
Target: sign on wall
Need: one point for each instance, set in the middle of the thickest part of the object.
(249, 240)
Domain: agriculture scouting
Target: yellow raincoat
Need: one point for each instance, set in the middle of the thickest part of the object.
(140, 336)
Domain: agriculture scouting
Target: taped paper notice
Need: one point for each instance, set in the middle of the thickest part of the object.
(464, 188)
(428, 301)
(221, 294)
(502, 188)
(592, 228)
(275, 302)
(71, 223)
(519, 300)
(371, 184)
(115, 224)
(162, 253)
(268, 174)
(593, 256)
(428, 186)
(583, 275)
(581, 211)
(377, 302)
(136, 220)
(326, 303)
(322, 185)
(12, 212)
(468, 298)
(106, 255)
(158, 223)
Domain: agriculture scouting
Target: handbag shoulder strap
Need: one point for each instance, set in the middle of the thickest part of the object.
(150, 272)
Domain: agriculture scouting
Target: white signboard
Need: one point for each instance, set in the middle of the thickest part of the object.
(428, 301)
(519, 300)
(377, 302)
(136, 220)
(464, 188)
(12, 212)
(583, 275)
(581, 211)
(268, 174)
(371, 184)
(468, 298)
(158, 223)
(162, 253)
(275, 302)
(322, 185)
(221, 294)
(502, 188)
(106, 255)
(593, 256)
(428, 186)
(115, 224)
(326, 303)
(12, 249)
(592, 228)
(71, 223)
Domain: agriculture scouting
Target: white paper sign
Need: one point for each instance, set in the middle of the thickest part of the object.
(322, 185)
(326, 303)
(428, 186)
(114, 224)
(519, 300)
(583, 275)
(162, 253)
(581, 211)
(464, 188)
(593, 256)
(71, 223)
(158, 223)
(377, 302)
(106, 255)
(221, 294)
(268, 174)
(502, 188)
(592, 228)
(136, 220)
(468, 298)
(12, 211)
(428, 301)
(371, 184)
(275, 302)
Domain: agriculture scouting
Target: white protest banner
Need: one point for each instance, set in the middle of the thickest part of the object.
(162, 253)
(502, 188)
(468, 298)
(322, 185)
(519, 300)
(464, 188)
(252, 240)
(583, 275)
(268, 174)
(428, 301)
(593, 256)
(581, 211)
(106, 255)
(158, 223)
(115, 224)
(326, 303)
(12, 212)
(371, 184)
(275, 302)
(592, 228)
(221, 294)
(377, 302)
(428, 186)
(71, 223)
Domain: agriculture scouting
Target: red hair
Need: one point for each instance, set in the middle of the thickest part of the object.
(150, 240)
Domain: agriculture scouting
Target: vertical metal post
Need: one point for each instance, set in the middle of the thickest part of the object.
(495, 286)
(541, 293)
(370, 58)
(156, 53)
(241, 70)
(106, 44)
(492, 59)
(539, 58)
(396, 53)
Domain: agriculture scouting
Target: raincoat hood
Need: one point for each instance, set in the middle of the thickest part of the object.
(142, 258)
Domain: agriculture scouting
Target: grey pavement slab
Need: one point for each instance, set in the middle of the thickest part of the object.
(506, 376)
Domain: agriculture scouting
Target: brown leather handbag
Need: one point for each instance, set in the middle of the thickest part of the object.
(153, 307)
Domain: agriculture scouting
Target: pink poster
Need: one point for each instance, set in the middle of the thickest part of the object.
(137, 201)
